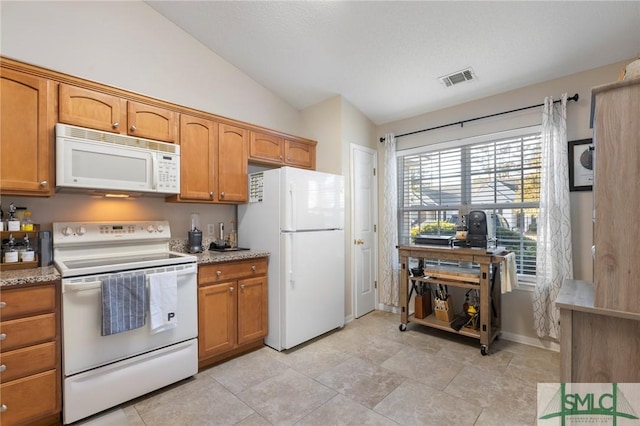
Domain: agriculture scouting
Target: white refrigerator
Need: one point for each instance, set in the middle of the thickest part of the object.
(298, 216)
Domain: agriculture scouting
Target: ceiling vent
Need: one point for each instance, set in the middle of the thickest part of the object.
(458, 77)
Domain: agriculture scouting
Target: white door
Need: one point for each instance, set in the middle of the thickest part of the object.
(363, 229)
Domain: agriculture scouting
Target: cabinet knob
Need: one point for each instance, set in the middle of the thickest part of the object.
(253, 268)
(242, 286)
(3, 305)
(231, 289)
(222, 195)
(288, 158)
(3, 368)
(218, 273)
(3, 408)
(281, 157)
(43, 183)
(115, 125)
(211, 194)
(3, 336)
(133, 128)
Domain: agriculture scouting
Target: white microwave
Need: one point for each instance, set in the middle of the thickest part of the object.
(93, 161)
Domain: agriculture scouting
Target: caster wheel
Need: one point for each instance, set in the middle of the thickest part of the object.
(403, 327)
(484, 350)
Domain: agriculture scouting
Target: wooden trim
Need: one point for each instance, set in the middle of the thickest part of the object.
(60, 77)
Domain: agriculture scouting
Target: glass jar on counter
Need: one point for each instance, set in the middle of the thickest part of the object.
(9, 251)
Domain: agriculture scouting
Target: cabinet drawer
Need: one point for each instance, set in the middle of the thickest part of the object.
(29, 398)
(26, 361)
(27, 331)
(27, 301)
(220, 272)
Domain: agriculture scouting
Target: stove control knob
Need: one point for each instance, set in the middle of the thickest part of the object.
(67, 230)
(149, 228)
(160, 228)
(81, 230)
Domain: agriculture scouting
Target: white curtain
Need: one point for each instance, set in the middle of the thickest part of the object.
(389, 290)
(554, 261)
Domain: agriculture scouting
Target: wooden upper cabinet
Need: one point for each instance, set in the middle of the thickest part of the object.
(232, 164)
(270, 149)
(27, 118)
(198, 154)
(110, 113)
(300, 154)
(213, 162)
(151, 122)
(95, 110)
(263, 147)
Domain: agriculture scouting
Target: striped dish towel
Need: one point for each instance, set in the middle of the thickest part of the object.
(124, 301)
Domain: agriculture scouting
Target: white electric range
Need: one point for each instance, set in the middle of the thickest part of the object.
(101, 371)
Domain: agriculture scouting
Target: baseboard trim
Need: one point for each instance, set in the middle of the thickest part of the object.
(531, 341)
(388, 308)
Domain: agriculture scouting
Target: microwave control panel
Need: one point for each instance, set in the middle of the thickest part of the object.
(168, 173)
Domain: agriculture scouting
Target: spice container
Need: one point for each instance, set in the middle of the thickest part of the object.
(27, 223)
(10, 252)
(27, 254)
(13, 224)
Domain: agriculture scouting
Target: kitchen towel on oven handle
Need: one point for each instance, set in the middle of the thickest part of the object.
(163, 301)
(123, 303)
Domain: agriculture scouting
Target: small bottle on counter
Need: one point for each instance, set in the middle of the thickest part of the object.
(233, 236)
(27, 223)
(10, 252)
(27, 254)
(13, 224)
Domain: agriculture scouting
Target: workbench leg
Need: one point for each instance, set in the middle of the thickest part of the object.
(404, 303)
(485, 309)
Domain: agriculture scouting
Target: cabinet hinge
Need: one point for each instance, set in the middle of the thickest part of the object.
(374, 171)
(375, 284)
(375, 228)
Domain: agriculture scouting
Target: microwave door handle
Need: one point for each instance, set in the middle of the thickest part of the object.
(154, 171)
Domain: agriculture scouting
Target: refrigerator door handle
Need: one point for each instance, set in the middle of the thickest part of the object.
(289, 260)
(292, 218)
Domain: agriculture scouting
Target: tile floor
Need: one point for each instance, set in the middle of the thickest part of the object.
(368, 373)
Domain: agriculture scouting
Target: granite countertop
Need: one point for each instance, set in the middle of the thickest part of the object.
(29, 276)
(49, 273)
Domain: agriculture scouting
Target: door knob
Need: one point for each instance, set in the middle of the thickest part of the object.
(358, 242)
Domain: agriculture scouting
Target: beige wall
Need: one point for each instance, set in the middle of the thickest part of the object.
(131, 46)
(335, 124)
(517, 306)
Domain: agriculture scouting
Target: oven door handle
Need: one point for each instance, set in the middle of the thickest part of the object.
(90, 285)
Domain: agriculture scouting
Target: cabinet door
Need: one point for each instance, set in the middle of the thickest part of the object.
(95, 110)
(26, 134)
(252, 309)
(216, 319)
(266, 148)
(40, 390)
(299, 154)
(198, 152)
(232, 164)
(150, 122)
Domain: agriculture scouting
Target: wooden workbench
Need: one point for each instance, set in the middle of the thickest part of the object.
(488, 262)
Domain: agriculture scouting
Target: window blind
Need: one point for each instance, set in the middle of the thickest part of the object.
(499, 175)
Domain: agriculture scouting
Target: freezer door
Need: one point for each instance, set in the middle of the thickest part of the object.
(312, 200)
(313, 283)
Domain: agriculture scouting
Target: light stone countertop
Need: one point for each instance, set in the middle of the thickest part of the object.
(49, 273)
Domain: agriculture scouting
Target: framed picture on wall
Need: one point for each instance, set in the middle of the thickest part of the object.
(581, 165)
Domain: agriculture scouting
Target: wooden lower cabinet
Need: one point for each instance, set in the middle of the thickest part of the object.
(232, 309)
(30, 390)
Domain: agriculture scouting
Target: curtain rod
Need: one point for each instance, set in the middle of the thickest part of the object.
(461, 123)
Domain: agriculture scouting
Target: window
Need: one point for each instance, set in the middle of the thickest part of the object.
(499, 174)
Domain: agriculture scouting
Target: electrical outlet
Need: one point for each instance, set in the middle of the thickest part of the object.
(211, 229)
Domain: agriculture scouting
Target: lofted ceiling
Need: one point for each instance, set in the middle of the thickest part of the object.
(387, 57)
